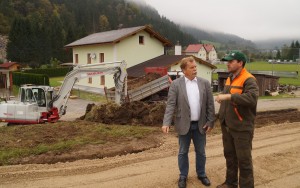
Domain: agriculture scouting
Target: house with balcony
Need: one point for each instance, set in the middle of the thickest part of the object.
(133, 45)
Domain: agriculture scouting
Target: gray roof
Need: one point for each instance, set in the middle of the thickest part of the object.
(115, 36)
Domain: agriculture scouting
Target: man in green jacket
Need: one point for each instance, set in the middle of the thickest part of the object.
(237, 114)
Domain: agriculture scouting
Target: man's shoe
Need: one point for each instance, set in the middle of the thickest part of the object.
(182, 182)
(204, 180)
(225, 185)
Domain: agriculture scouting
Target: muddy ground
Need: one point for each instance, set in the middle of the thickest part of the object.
(276, 154)
(135, 113)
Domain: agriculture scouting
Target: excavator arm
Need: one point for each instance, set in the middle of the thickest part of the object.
(118, 69)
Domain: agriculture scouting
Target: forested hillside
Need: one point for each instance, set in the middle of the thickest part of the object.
(38, 30)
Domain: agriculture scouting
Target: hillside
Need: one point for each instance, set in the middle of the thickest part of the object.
(46, 26)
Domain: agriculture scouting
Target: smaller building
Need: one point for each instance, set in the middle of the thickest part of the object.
(265, 82)
(6, 70)
(170, 63)
(206, 52)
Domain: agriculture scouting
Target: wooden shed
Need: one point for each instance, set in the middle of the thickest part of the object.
(265, 82)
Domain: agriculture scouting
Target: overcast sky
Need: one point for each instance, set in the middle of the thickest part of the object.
(249, 19)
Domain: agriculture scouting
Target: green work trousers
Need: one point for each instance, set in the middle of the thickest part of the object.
(237, 151)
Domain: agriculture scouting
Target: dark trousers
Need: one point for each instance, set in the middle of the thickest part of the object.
(237, 151)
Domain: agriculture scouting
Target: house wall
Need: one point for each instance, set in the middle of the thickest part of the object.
(202, 54)
(202, 71)
(14, 67)
(192, 54)
(5, 79)
(135, 53)
(127, 49)
(212, 55)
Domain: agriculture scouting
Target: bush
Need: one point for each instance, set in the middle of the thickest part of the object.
(51, 72)
(26, 78)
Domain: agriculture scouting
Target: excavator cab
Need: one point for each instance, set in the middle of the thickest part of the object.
(41, 95)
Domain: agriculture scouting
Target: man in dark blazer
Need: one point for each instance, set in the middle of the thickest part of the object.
(191, 99)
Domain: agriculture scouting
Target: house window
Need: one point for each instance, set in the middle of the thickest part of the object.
(90, 80)
(89, 61)
(102, 78)
(101, 59)
(76, 59)
(141, 40)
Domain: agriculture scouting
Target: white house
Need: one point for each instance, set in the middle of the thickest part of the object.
(207, 52)
(196, 50)
(134, 45)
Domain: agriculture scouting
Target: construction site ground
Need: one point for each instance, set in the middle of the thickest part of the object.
(152, 160)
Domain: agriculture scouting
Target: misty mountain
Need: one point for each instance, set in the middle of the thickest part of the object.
(227, 41)
(273, 43)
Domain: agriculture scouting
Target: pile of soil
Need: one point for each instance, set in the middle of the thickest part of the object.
(140, 81)
(151, 114)
(137, 82)
(277, 117)
(133, 113)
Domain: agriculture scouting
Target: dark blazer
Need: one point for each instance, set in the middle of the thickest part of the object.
(178, 103)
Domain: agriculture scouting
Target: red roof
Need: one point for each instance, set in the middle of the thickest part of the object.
(7, 64)
(208, 47)
(193, 48)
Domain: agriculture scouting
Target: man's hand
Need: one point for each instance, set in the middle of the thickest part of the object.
(207, 128)
(223, 97)
(165, 129)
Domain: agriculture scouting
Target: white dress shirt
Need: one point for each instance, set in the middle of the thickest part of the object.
(193, 98)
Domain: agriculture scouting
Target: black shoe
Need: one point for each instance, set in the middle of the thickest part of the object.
(204, 180)
(182, 182)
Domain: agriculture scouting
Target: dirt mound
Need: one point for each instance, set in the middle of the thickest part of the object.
(277, 117)
(137, 82)
(133, 113)
(151, 114)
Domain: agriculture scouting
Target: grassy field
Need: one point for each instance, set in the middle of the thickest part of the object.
(23, 141)
(57, 81)
(265, 66)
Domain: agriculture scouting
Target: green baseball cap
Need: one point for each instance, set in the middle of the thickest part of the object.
(235, 55)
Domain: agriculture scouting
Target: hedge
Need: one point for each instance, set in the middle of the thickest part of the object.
(51, 72)
(20, 78)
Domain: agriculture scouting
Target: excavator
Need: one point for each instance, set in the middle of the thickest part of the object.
(40, 104)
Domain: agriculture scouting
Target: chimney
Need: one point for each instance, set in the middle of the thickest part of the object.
(178, 49)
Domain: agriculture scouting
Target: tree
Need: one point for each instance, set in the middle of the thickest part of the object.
(278, 55)
(4, 24)
(57, 38)
(103, 23)
(19, 44)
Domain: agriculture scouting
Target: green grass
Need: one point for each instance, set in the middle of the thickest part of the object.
(89, 96)
(265, 66)
(18, 142)
(56, 81)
